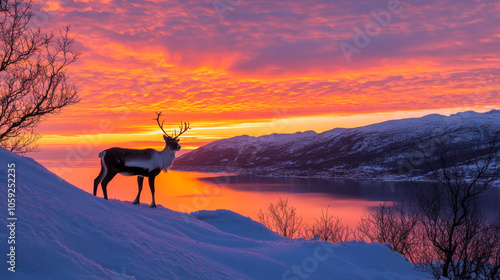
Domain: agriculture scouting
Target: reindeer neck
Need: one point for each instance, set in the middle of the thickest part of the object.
(167, 156)
(166, 150)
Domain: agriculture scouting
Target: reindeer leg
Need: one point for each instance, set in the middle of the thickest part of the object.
(102, 174)
(105, 182)
(140, 180)
(151, 178)
(97, 180)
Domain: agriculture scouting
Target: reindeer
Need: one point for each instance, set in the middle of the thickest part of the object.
(141, 163)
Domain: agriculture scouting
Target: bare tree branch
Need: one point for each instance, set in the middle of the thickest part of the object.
(33, 75)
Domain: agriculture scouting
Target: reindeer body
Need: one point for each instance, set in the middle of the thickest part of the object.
(132, 162)
(141, 163)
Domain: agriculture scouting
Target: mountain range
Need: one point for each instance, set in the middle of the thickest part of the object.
(393, 149)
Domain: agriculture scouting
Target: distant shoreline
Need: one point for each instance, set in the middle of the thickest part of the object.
(387, 178)
(380, 178)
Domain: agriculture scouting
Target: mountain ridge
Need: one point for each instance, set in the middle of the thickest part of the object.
(374, 151)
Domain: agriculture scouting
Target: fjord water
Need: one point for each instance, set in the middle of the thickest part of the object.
(191, 191)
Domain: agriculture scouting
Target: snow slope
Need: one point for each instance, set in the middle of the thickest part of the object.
(63, 232)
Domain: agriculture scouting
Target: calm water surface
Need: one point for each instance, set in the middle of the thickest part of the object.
(191, 191)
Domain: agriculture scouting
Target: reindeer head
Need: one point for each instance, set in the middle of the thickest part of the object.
(172, 141)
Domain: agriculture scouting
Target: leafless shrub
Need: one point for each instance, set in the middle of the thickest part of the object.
(328, 228)
(483, 254)
(282, 218)
(392, 223)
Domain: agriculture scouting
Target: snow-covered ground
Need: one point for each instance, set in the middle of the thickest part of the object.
(63, 232)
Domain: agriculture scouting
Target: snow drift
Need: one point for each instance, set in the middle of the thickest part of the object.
(63, 232)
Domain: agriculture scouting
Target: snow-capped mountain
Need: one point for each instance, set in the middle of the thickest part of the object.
(390, 149)
(62, 232)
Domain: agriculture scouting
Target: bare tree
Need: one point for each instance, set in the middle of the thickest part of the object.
(393, 223)
(33, 75)
(445, 231)
(328, 228)
(452, 223)
(282, 218)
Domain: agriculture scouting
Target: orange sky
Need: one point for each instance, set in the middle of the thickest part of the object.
(264, 67)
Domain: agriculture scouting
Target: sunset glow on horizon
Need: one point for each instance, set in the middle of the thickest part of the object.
(262, 67)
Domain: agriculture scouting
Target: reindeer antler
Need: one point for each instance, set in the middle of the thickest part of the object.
(161, 125)
(183, 127)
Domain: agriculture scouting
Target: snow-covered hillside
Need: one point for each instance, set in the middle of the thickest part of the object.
(381, 150)
(63, 232)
